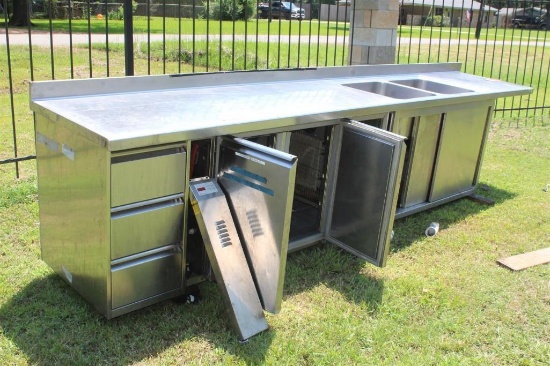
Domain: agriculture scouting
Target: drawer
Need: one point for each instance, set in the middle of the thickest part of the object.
(147, 175)
(145, 277)
(147, 227)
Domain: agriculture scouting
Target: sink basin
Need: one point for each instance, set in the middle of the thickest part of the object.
(389, 90)
(431, 86)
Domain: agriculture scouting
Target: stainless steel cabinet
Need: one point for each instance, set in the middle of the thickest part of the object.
(114, 184)
(111, 223)
(444, 153)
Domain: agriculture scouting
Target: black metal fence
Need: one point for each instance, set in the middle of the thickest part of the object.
(505, 40)
(88, 39)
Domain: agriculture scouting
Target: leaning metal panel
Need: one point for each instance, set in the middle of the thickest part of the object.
(227, 258)
(259, 183)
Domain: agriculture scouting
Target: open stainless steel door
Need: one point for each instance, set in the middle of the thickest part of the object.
(259, 184)
(227, 258)
(367, 186)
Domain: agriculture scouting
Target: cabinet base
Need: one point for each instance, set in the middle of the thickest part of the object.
(404, 212)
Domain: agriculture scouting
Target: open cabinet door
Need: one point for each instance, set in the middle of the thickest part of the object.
(227, 258)
(259, 184)
(366, 190)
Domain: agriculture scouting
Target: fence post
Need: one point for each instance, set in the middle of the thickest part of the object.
(480, 18)
(128, 38)
(373, 32)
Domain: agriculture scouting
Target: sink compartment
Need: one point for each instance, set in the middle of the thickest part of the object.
(431, 86)
(389, 90)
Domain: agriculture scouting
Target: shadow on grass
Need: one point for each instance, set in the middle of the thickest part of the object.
(411, 228)
(52, 325)
(339, 270)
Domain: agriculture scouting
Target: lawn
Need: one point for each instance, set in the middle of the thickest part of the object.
(439, 300)
(157, 25)
(468, 33)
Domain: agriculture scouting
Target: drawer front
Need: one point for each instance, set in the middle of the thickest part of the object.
(146, 177)
(141, 229)
(146, 277)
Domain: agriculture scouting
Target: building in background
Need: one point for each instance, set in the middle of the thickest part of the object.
(446, 13)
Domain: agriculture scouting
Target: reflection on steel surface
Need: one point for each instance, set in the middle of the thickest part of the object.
(227, 258)
(259, 183)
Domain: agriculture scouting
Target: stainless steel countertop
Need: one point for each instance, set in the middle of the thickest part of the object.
(123, 113)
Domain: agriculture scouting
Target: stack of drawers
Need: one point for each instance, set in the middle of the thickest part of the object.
(147, 206)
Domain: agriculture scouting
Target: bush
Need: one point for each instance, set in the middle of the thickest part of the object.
(436, 21)
(118, 14)
(230, 9)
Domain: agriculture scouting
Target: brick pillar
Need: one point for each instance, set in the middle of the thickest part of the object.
(373, 35)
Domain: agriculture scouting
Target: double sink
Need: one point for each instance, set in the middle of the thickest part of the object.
(407, 89)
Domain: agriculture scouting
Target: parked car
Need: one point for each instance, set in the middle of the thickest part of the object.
(281, 10)
(532, 20)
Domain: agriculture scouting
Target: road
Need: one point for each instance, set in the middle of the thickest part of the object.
(64, 39)
(21, 37)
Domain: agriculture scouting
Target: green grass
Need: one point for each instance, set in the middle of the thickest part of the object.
(468, 33)
(156, 25)
(439, 300)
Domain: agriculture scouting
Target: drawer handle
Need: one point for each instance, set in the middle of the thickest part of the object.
(157, 203)
(149, 255)
(146, 155)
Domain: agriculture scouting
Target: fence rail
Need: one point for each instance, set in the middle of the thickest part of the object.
(89, 39)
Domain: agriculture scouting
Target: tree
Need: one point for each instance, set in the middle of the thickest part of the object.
(20, 16)
(230, 9)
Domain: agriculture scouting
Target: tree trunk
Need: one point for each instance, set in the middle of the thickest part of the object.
(20, 16)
